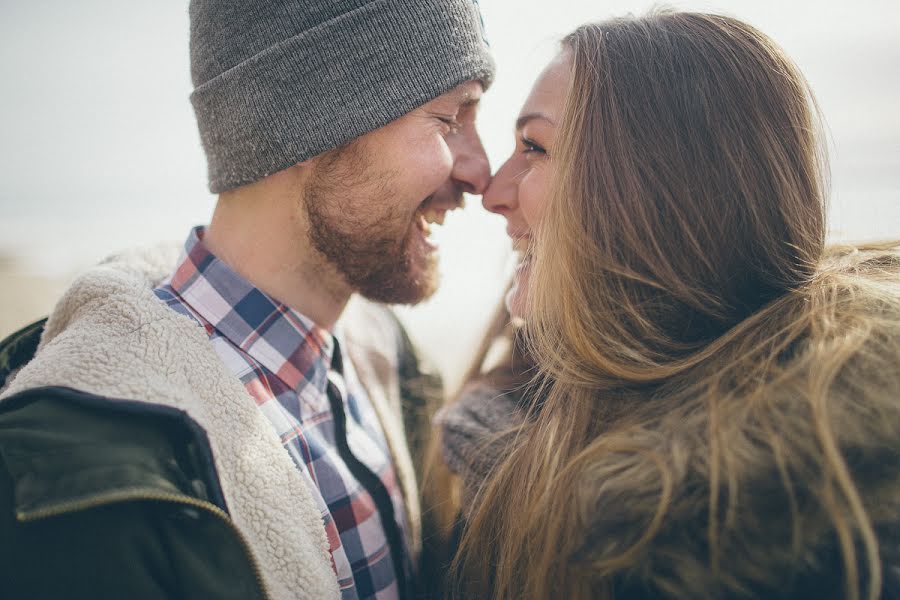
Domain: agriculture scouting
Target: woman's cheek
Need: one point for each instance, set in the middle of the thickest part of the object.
(533, 195)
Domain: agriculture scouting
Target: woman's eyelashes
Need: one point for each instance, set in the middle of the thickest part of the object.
(529, 146)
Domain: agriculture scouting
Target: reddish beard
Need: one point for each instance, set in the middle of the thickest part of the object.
(373, 248)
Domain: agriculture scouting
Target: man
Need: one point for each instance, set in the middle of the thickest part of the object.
(228, 423)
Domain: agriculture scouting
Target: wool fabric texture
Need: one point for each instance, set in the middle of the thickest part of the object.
(279, 81)
(471, 444)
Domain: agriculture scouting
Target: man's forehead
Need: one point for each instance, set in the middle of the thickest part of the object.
(468, 92)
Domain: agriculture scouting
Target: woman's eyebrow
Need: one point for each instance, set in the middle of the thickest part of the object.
(524, 119)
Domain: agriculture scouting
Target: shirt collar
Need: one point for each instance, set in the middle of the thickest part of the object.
(283, 340)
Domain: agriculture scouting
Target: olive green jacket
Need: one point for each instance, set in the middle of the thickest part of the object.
(134, 465)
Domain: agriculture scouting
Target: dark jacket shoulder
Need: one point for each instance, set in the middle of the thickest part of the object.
(18, 348)
(110, 498)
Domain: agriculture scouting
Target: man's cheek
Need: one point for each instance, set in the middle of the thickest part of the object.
(434, 162)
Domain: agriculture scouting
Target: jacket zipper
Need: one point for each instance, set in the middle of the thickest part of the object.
(139, 494)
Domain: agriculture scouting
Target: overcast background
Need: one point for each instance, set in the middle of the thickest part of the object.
(98, 147)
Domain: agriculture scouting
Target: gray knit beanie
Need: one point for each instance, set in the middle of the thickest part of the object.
(279, 81)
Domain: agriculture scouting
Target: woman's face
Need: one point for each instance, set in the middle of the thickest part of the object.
(519, 188)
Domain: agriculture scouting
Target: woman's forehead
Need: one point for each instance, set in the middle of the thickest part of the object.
(548, 94)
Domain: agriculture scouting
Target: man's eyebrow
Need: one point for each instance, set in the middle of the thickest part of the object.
(524, 119)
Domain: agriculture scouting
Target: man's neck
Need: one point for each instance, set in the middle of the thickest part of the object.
(257, 231)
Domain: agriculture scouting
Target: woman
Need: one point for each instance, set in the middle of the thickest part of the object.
(715, 411)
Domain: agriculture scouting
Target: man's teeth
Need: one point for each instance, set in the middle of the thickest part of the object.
(425, 218)
(434, 216)
(423, 225)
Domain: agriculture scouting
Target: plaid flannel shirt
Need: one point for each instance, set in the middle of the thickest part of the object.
(284, 361)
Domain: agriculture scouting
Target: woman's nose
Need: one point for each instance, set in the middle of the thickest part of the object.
(501, 196)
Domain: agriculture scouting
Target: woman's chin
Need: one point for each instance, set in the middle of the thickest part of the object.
(517, 296)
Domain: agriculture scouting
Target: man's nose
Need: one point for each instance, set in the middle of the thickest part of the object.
(471, 168)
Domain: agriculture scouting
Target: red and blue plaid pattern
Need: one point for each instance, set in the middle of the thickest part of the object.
(283, 360)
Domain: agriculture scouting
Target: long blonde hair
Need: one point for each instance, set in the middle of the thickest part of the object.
(717, 384)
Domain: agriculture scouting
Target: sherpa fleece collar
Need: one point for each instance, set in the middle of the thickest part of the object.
(109, 335)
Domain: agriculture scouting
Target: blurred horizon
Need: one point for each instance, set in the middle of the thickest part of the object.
(99, 147)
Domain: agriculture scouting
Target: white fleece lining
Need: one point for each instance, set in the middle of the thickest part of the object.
(111, 336)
